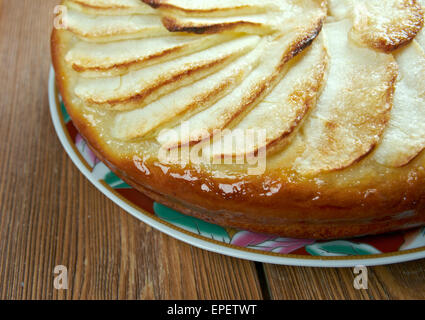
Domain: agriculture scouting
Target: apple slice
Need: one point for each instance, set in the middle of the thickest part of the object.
(109, 4)
(354, 108)
(276, 15)
(283, 110)
(109, 7)
(141, 87)
(254, 24)
(381, 25)
(110, 28)
(119, 57)
(405, 137)
(420, 38)
(217, 8)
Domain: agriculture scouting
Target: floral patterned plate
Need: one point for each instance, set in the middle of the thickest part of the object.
(374, 250)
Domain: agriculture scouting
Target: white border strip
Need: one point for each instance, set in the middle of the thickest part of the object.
(202, 243)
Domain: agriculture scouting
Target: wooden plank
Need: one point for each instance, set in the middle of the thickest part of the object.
(51, 215)
(400, 281)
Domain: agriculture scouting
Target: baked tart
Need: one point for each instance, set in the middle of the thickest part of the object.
(301, 118)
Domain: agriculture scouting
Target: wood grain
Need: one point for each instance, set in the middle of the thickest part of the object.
(51, 215)
(400, 281)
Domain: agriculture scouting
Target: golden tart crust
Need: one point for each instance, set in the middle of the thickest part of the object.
(344, 161)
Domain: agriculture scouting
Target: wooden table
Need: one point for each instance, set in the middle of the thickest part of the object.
(51, 215)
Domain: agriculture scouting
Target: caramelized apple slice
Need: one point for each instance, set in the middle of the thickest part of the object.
(280, 15)
(283, 110)
(217, 8)
(115, 58)
(382, 25)
(185, 102)
(109, 4)
(138, 88)
(353, 110)
(110, 28)
(420, 37)
(405, 137)
(109, 7)
(255, 24)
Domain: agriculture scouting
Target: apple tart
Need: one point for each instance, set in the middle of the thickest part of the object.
(302, 118)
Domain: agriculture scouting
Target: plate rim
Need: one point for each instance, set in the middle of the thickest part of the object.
(211, 245)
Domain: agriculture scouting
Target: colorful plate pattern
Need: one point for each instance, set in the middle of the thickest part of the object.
(374, 250)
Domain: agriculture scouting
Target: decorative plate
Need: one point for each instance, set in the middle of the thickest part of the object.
(373, 250)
